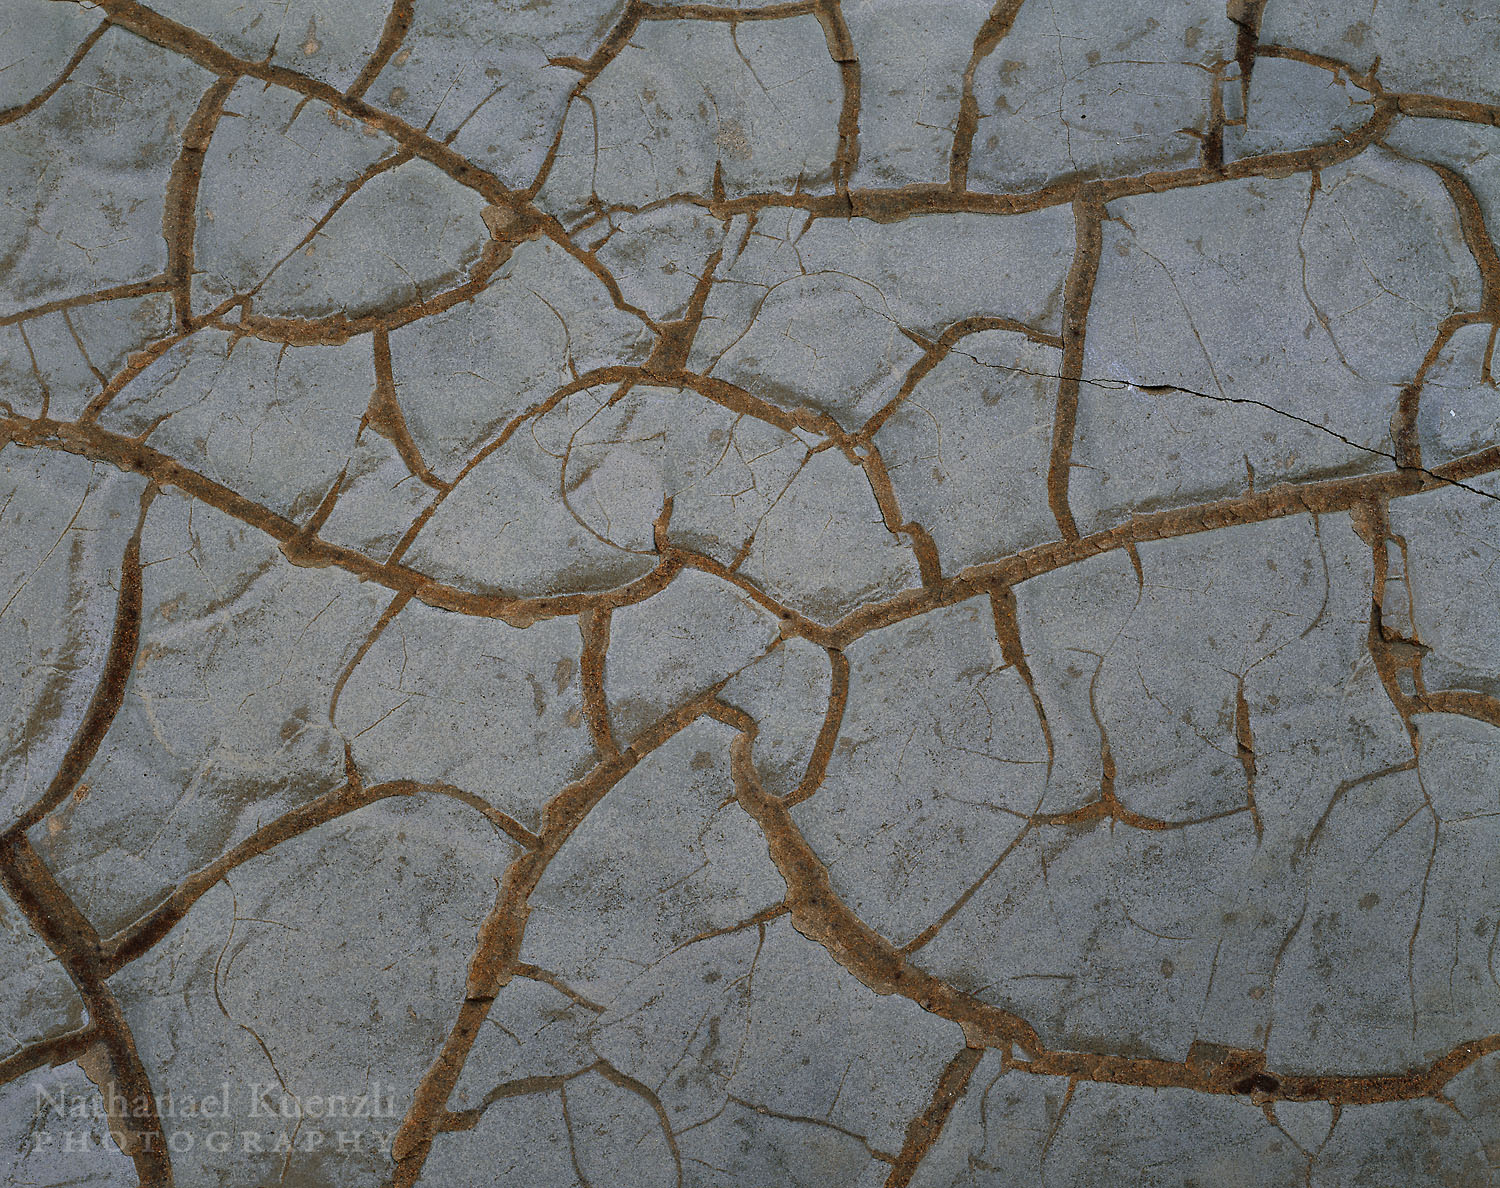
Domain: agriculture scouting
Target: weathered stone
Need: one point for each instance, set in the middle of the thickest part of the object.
(676, 594)
(85, 174)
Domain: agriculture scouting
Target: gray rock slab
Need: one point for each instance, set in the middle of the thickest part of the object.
(740, 593)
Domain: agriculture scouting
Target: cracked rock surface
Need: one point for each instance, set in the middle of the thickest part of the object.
(635, 594)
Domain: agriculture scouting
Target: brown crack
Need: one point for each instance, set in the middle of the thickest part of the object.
(397, 25)
(11, 114)
(1088, 215)
(990, 34)
(57, 920)
(385, 416)
(926, 1127)
(179, 221)
(109, 693)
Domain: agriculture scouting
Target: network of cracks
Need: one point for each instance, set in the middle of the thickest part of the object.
(832, 592)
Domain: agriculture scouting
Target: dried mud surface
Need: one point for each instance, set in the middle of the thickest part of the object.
(836, 592)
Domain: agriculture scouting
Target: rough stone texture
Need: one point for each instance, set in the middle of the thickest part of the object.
(635, 594)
